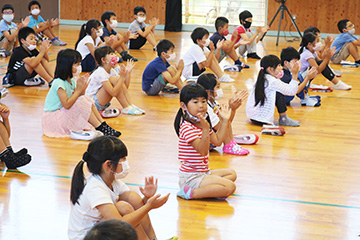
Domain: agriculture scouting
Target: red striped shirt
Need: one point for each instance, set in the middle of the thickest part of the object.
(191, 160)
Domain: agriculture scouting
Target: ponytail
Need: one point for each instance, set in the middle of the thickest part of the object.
(86, 29)
(82, 34)
(178, 121)
(77, 182)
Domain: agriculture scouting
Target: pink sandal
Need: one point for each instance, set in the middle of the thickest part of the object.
(233, 148)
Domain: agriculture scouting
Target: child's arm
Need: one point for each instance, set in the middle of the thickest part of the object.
(209, 57)
(236, 101)
(5, 112)
(253, 37)
(263, 31)
(201, 145)
(109, 211)
(91, 48)
(328, 53)
(218, 137)
(148, 29)
(81, 84)
(310, 74)
(172, 79)
(42, 27)
(34, 61)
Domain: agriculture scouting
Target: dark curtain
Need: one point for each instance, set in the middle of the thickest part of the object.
(173, 13)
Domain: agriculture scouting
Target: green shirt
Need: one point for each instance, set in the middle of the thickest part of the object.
(52, 101)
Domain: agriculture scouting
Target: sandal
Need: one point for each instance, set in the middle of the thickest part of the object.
(110, 113)
(246, 139)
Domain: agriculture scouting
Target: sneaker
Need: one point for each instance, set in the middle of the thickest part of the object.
(85, 135)
(233, 148)
(226, 78)
(247, 139)
(110, 113)
(127, 56)
(131, 111)
(3, 93)
(4, 53)
(286, 121)
(56, 42)
(310, 102)
(253, 55)
(349, 64)
(186, 192)
(320, 88)
(32, 82)
(232, 68)
(139, 109)
(62, 43)
(273, 130)
(316, 97)
(6, 81)
(342, 86)
(243, 65)
(169, 89)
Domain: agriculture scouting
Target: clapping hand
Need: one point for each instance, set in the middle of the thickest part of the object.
(311, 73)
(130, 64)
(150, 187)
(224, 112)
(219, 44)
(82, 83)
(238, 98)
(4, 111)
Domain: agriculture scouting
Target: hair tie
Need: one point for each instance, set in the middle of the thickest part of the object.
(82, 160)
(262, 68)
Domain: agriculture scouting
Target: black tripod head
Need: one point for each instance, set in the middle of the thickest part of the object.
(281, 1)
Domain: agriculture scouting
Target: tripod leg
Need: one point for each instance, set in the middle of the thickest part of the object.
(272, 20)
(281, 17)
(292, 20)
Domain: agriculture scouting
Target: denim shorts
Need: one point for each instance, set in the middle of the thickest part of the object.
(156, 86)
(97, 104)
(193, 180)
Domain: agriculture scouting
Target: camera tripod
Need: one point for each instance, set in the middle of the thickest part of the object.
(282, 8)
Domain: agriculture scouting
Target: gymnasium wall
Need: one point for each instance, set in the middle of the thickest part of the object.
(321, 13)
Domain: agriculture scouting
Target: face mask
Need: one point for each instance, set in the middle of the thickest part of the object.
(207, 42)
(317, 46)
(125, 170)
(78, 71)
(35, 11)
(219, 93)
(113, 24)
(141, 19)
(225, 32)
(113, 61)
(171, 57)
(8, 17)
(247, 24)
(99, 32)
(280, 74)
(31, 47)
(352, 31)
(188, 116)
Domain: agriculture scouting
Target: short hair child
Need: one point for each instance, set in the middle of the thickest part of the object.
(105, 159)
(346, 43)
(111, 229)
(227, 47)
(109, 22)
(43, 28)
(243, 32)
(193, 128)
(159, 72)
(145, 33)
(9, 30)
(106, 83)
(198, 57)
(30, 60)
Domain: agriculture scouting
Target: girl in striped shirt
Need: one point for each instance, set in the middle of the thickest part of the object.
(192, 125)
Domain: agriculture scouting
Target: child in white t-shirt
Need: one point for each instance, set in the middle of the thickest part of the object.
(106, 83)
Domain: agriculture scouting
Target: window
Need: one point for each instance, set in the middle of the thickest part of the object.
(206, 11)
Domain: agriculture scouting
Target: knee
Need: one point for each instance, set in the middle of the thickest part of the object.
(133, 199)
(233, 175)
(124, 208)
(230, 188)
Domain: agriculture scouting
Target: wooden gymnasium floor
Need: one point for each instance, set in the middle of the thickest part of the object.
(304, 185)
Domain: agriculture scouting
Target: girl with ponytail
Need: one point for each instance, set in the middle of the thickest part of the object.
(103, 195)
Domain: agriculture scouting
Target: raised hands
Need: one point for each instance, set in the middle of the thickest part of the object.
(45, 45)
(311, 73)
(219, 44)
(157, 200)
(54, 22)
(224, 112)
(150, 187)
(329, 40)
(154, 21)
(238, 98)
(211, 46)
(130, 64)
(24, 22)
(180, 65)
(329, 52)
(4, 111)
(82, 83)
(295, 67)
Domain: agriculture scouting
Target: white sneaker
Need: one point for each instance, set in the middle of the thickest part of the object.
(85, 135)
(226, 78)
(342, 86)
(32, 82)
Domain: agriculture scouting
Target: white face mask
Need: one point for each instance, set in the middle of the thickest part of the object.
(352, 31)
(99, 32)
(113, 24)
(141, 19)
(78, 71)
(318, 46)
(124, 172)
(219, 93)
(171, 57)
(31, 47)
(35, 11)
(8, 17)
(207, 42)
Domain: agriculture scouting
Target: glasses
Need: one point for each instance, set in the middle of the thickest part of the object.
(8, 12)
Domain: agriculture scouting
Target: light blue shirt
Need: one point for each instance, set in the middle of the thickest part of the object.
(6, 27)
(341, 40)
(33, 22)
(52, 101)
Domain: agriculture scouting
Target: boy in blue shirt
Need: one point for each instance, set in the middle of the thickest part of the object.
(159, 72)
(43, 27)
(346, 43)
(226, 47)
(108, 19)
(9, 30)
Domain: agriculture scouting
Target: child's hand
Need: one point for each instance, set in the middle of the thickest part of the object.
(4, 111)
(204, 124)
(150, 187)
(126, 36)
(130, 64)
(180, 65)
(224, 112)
(122, 71)
(236, 101)
(259, 29)
(82, 83)
(219, 44)
(265, 29)
(311, 73)
(24, 22)
(329, 40)
(54, 22)
(211, 46)
(133, 35)
(45, 45)
(154, 21)
(329, 52)
(295, 67)
(157, 201)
